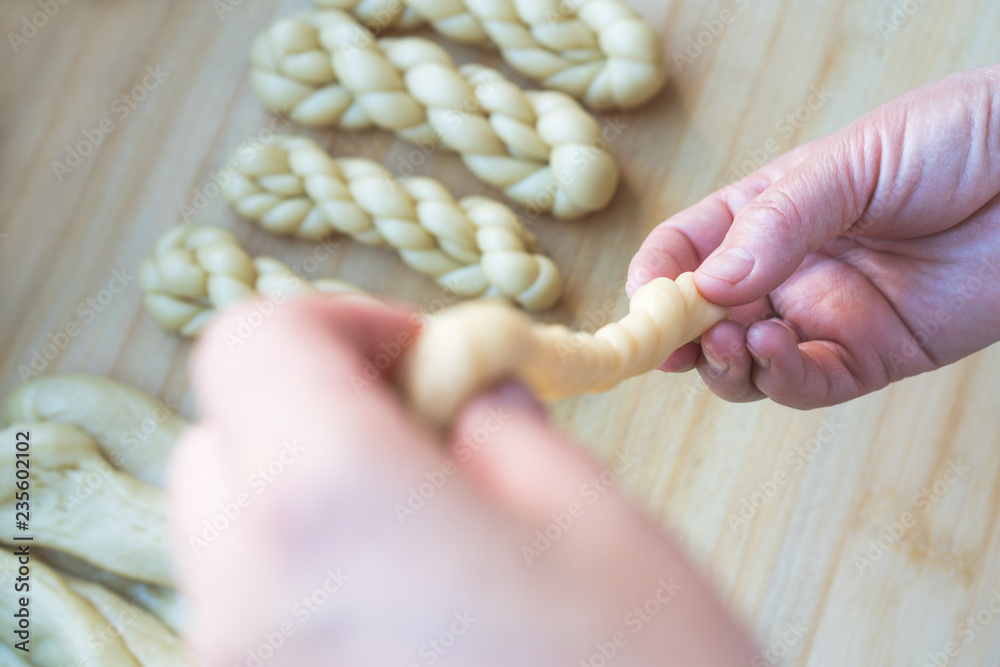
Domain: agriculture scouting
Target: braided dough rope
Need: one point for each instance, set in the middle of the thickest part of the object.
(163, 602)
(84, 507)
(66, 629)
(541, 148)
(475, 247)
(134, 431)
(196, 270)
(472, 346)
(599, 51)
(145, 637)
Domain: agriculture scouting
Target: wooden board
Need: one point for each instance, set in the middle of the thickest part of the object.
(848, 469)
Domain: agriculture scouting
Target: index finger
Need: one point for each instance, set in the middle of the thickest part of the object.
(682, 242)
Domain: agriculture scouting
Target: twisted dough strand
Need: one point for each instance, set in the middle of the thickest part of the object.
(541, 148)
(599, 51)
(196, 270)
(474, 247)
(475, 345)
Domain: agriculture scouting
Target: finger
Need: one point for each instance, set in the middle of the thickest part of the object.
(505, 442)
(885, 175)
(726, 364)
(682, 360)
(686, 358)
(309, 455)
(772, 235)
(317, 366)
(809, 375)
(200, 481)
(683, 241)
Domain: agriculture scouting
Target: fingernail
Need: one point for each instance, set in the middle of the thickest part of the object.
(732, 266)
(761, 361)
(718, 367)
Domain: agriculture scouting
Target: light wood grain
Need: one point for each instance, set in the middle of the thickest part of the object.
(699, 457)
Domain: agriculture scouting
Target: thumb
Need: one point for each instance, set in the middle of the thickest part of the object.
(506, 445)
(810, 206)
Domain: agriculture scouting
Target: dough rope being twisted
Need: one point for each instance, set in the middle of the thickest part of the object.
(599, 51)
(475, 247)
(541, 148)
(472, 346)
(195, 270)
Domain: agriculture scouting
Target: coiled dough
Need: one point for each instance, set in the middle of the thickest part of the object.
(541, 148)
(195, 270)
(475, 247)
(599, 51)
(472, 346)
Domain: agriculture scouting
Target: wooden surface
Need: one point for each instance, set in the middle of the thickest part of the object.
(794, 560)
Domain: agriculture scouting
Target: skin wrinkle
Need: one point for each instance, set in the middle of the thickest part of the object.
(874, 167)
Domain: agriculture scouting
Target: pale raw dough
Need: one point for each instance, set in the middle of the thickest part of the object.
(195, 270)
(475, 247)
(9, 657)
(474, 345)
(163, 602)
(541, 147)
(599, 51)
(66, 629)
(146, 638)
(135, 432)
(81, 505)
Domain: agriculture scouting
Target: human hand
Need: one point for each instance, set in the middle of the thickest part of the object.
(340, 531)
(854, 261)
